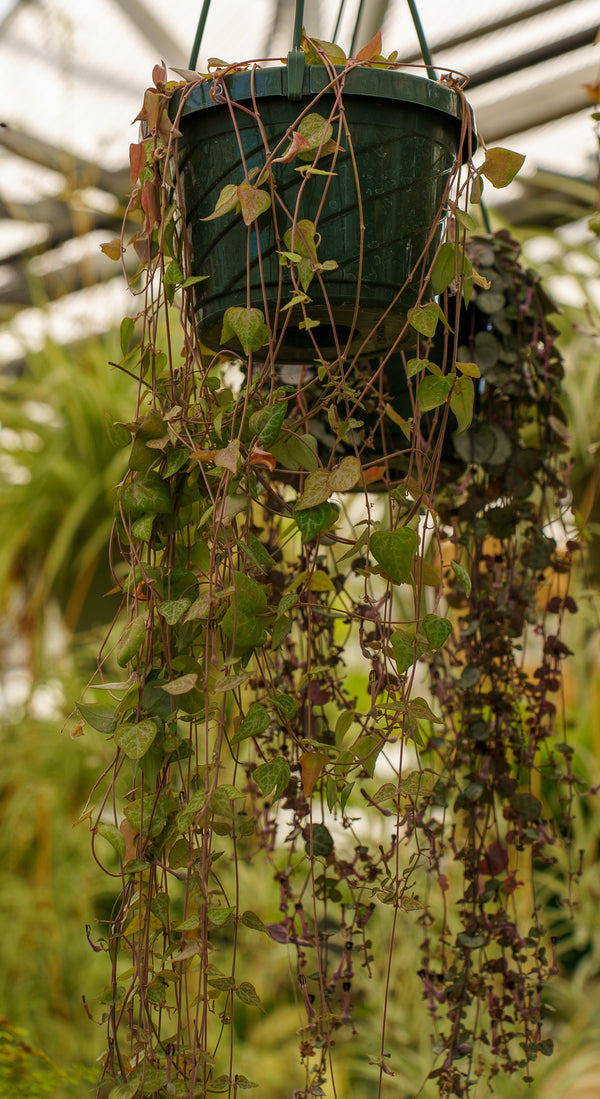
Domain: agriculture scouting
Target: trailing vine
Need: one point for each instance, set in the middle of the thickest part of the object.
(312, 520)
(498, 679)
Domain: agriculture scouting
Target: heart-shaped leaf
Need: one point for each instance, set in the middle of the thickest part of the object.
(247, 993)
(181, 685)
(248, 325)
(315, 48)
(501, 166)
(462, 399)
(420, 710)
(424, 318)
(272, 778)
(98, 716)
(141, 529)
(415, 366)
(394, 550)
(299, 144)
(316, 490)
(227, 200)
(125, 1091)
(255, 722)
(286, 705)
(296, 452)
(346, 475)
(436, 630)
(462, 575)
(230, 682)
(445, 267)
(406, 650)
(250, 919)
(321, 483)
(174, 609)
(116, 838)
(320, 841)
(371, 50)
(131, 641)
(311, 765)
(150, 495)
(267, 423)
(135, 740)
(253, 202)
(112, 248)
(229, 456)
(433, 392)
(243, 629)
(159, 907)
(315, 130)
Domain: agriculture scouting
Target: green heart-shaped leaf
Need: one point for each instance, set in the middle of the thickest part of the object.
(248, 325)
(461, 402)
(406, 650)
(98, 716)
(436, 630)
(501, 166)
(255, 722)
(135, 740)
(433, 392)
(273, 777)
(316, 520)
(394, 550)
(253, 202)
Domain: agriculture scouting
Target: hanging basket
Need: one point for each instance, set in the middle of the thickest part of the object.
(405, 137)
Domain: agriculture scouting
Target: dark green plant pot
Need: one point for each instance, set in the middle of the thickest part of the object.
(405, 133)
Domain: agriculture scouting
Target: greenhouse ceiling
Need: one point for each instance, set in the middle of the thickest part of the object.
(74, 73)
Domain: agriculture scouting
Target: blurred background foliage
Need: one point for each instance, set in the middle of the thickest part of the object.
(57, 472)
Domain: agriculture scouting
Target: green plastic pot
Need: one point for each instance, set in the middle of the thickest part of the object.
(405, 133)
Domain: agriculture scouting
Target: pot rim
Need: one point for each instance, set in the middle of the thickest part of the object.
(389, 84)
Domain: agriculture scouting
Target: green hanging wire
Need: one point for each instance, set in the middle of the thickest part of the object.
(338, 20)
(486, 217)
(356, 22)
(297, 35)
(427, 58)
(199, 33)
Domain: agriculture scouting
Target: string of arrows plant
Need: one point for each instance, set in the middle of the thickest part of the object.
(295, 549)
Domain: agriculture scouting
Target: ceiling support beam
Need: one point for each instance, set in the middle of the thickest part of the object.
(528, 60)
(516, 113)
(483, 29)
(78, 171)
(155, 32)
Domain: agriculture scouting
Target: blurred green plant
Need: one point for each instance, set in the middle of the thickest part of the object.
(28, 1073)
(57, 469)
(49, 892)
(569, 261)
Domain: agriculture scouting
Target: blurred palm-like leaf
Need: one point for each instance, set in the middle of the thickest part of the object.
(58, 470)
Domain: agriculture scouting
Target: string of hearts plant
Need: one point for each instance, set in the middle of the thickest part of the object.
(324, 505)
